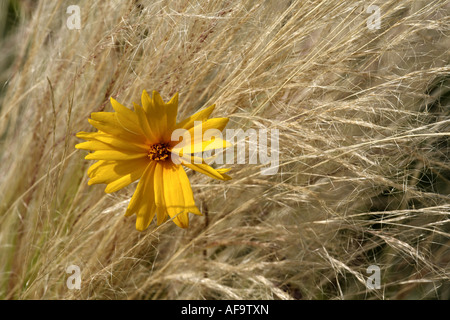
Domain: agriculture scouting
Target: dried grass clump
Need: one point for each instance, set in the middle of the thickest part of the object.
(363, 175)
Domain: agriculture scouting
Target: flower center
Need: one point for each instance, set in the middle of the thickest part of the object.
(159, 152)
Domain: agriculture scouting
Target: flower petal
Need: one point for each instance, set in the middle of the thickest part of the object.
(174, 195)
(111, 140)
(187, 191)
(171, 108)
(223, 171)
(117, 174)
(159, 188)
(147, 102)
(205, 169)
(126, 117)
(92, 169)
(149, 132)
(147, 208)
(155, 114)
(113, 127)
(161, 211)
(110, 143)
(161, 215)
(199, 116)
(195, 147)
(214, 123)
(115, 155)
(125, 180)
(139, 193)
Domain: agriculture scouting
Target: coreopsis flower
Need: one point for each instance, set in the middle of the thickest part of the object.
(148, 144)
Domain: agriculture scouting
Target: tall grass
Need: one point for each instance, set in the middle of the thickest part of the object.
(363, 116)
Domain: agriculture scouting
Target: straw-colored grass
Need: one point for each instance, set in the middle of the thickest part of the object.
(363, 176)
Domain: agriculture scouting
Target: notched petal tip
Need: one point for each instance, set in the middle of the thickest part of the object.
(111, 188)
(146, 102)
(139, 228)
(157, 100)
(222, 172)
(80, 134)
(174, 99)
(145, 95)
(226, 177)
(108, 190)
(196, 211)
(142, 223)
(182, 223)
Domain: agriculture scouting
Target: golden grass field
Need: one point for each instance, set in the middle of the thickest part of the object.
(363, 177)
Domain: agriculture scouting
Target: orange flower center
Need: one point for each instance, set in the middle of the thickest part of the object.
(159, 152)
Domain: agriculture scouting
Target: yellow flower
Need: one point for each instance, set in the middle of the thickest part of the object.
(131, 145)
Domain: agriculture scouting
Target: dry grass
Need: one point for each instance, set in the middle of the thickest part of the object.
(364, 172)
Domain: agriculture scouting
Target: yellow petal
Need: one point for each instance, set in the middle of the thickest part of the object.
(92, 169)
(93, 145)
(174, 195)
(161, 209)
(124, 181)
(199, 116)
(111, 143)
(110, 139)
(87, 135)
(106, 117)
(158, 102)
(196, 133)
(213, 144)
(147, 208)
(156, 115)
(126, 117)
(205, 169)
(171, 111)
(161, 215)
(149, 132)
(214, 123)
(146, 101)
(115, 155)
(110, 121)
(144, 218)
(161, 116)
(159, 187)
(122, 144)
(139, 193)
(187, 191)
(223, 171)
(114, 128)
(117, 174)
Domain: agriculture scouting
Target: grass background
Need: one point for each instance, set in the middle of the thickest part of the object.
(364, 174)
